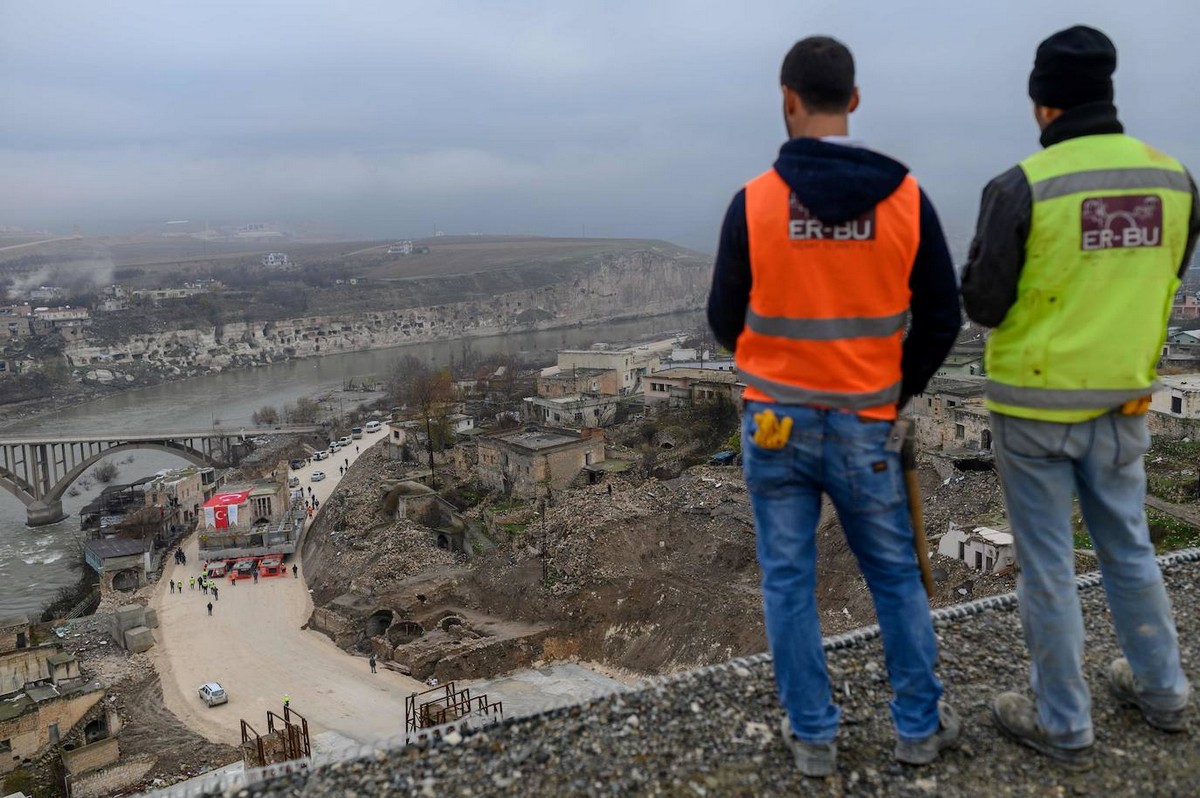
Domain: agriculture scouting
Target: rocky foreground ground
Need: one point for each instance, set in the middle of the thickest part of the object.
(713, 732)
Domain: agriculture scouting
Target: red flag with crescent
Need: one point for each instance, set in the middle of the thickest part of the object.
(221, 510)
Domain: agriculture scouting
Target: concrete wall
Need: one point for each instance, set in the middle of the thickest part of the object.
(338, 628)
(1187, 397)
(9, 636)
(25, 665)
(30, 733)
(562, 466)
(115, 777)
(1171, 427)
(90, 757)
(950, 422)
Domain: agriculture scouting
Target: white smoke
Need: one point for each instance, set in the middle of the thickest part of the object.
(73, 276)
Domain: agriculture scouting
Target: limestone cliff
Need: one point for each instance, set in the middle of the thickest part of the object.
(606, 286)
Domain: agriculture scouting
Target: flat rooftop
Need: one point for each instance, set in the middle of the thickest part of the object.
(537, 440)
(712, 375)
(1181, 382)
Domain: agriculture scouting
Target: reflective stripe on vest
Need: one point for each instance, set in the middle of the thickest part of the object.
(1106, 238)
(828, 303)
(1108, 180)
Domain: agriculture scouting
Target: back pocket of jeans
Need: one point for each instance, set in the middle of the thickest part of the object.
(1133, 438)
(875, 480)
(766, 471)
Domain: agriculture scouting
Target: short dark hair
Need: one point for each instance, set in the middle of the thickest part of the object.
(820, 69)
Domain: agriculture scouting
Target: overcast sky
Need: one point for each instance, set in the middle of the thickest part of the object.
(639, 118)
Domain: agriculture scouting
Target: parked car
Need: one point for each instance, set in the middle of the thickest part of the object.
(294, 482)
(297, 463)
(321, 455)
(374, 426)
(213, 693)
(345, 440)
(355, 433)
(317, 476)
(334, 446)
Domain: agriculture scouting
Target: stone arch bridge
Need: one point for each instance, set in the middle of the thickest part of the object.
(39, 470)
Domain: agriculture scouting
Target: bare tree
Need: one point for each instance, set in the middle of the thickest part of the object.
(405, 372)
(106, 472)
(430, 394)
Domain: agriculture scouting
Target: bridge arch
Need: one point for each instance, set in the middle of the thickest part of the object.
(39, 470)
(171, 447)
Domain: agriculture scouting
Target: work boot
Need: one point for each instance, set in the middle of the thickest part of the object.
(1121, 682)
(925, 750)
(812, 759)
(1017, 717)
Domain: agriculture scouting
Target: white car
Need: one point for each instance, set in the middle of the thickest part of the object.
(213, 693)
(317, 476)
(334, 446)
(321, 455)
(345, 441)
(373, 426)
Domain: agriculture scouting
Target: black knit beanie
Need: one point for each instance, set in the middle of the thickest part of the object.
(1072, 67)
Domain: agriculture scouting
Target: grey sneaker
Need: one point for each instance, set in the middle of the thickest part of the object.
(925, 750)
(812, 759)
(1017, 717)
(1120, 681)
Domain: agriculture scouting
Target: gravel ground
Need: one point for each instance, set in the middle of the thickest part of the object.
(713, 732)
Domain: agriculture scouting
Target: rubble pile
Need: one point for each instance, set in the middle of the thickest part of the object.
(967, 498)
(710, 502)
(358, 547)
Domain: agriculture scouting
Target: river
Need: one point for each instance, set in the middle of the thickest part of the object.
(36, 563)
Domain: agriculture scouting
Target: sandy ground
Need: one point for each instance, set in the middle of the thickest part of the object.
(254, 646)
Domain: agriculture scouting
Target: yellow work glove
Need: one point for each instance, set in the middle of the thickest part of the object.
(771, 433)
(1136, 407)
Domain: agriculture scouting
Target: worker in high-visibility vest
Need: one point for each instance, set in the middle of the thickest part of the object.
(823, 261)
(1078, 254)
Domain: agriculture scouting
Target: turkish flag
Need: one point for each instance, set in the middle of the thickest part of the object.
(221, 517)
(229, 498)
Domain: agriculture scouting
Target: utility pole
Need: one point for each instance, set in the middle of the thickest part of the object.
(429, 445)
(544, 566)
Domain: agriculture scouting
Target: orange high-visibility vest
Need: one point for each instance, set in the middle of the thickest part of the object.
(828, 303)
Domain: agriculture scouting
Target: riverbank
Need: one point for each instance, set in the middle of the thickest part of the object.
(439, 351)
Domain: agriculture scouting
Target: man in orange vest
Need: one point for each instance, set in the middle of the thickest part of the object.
(822, 261)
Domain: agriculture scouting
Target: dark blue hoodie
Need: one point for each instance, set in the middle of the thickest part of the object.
(837, 183)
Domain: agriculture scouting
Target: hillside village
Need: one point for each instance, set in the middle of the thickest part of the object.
(591, 510)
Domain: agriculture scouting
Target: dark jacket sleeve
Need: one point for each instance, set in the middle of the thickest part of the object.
(1193, 230)
(730, 292)
(997, 254)
(934, 306)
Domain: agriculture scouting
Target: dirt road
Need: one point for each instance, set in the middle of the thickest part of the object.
(254, 646)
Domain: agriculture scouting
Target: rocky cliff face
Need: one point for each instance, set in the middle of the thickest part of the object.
(639, 283)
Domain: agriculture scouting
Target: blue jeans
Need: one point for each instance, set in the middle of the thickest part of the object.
(836, 453)
(1043, 465)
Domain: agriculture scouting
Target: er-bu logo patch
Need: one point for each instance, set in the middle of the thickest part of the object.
(1118, 222)
(804, 226)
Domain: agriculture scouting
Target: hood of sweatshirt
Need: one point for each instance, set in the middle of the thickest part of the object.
(837, 182)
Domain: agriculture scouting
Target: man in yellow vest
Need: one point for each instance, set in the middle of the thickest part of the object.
(823, 262)
(1078, 254)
